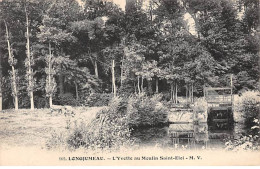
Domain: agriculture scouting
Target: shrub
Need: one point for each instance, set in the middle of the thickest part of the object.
(145, 111)
(249, 106)
(249, 142)
(126, 90)
(57, 141)
(40, 102)
(109, 131)
(24, 101)
(98, 99)
(243, 143)
(67, 99)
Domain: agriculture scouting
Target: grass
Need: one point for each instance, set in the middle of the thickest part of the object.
(27, 128)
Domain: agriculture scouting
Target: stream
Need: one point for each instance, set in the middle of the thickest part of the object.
(189, 136)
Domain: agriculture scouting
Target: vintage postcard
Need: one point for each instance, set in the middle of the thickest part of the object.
(129, 83)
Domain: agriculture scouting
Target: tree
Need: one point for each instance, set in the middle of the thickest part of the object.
(92, 32)
(51, 35)
(50, 87)
(112, 54)
(1, 83)
(13, 73)
(58, 15)
(29, 63)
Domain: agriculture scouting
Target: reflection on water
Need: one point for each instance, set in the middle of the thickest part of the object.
(188, 136)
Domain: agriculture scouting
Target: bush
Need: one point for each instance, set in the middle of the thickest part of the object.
(145, 111)
(98, 99)
(249, 106)
(249, 142)
(243, 143)
(40, 102)
(67, 99)
(109, 131)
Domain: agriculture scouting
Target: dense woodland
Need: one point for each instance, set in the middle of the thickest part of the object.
(53, 50)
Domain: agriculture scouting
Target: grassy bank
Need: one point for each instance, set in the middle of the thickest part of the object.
(33, 128)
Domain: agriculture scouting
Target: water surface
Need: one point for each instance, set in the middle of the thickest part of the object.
(189, 136)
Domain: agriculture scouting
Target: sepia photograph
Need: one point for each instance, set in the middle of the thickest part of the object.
(129, 83)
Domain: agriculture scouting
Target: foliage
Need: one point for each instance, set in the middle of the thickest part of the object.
(144, 111)
(249, 106)
(109, 131)
(67, 99)
(98, 99)
(244, 143)
(154, 44)
(249, 142)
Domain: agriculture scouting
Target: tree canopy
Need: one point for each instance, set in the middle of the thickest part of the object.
(98, 47)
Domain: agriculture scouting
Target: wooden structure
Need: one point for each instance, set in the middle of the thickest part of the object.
(220, 104)
(188, 135)
(221, 96)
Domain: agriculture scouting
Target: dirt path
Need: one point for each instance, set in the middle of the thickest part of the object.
(26, 128)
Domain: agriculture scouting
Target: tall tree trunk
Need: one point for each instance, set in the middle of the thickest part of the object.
(113, 78)
(77, 91)
(61, 85)
(49, 74)
(95, 64)
(50, 101)
(122, 73)
(138, 84)
(150, 89)
(11, 57)
(142, 84)
(156, 85)
(96, 69)
(30, 78)
(231, 86)
(1, 82)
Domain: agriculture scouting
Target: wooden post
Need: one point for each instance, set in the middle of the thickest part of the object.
(176, 92)
(192, 100)
(186, 94)
(171, 91)
(189, 93)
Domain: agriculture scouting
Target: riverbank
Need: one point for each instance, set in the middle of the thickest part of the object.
(27, 128)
